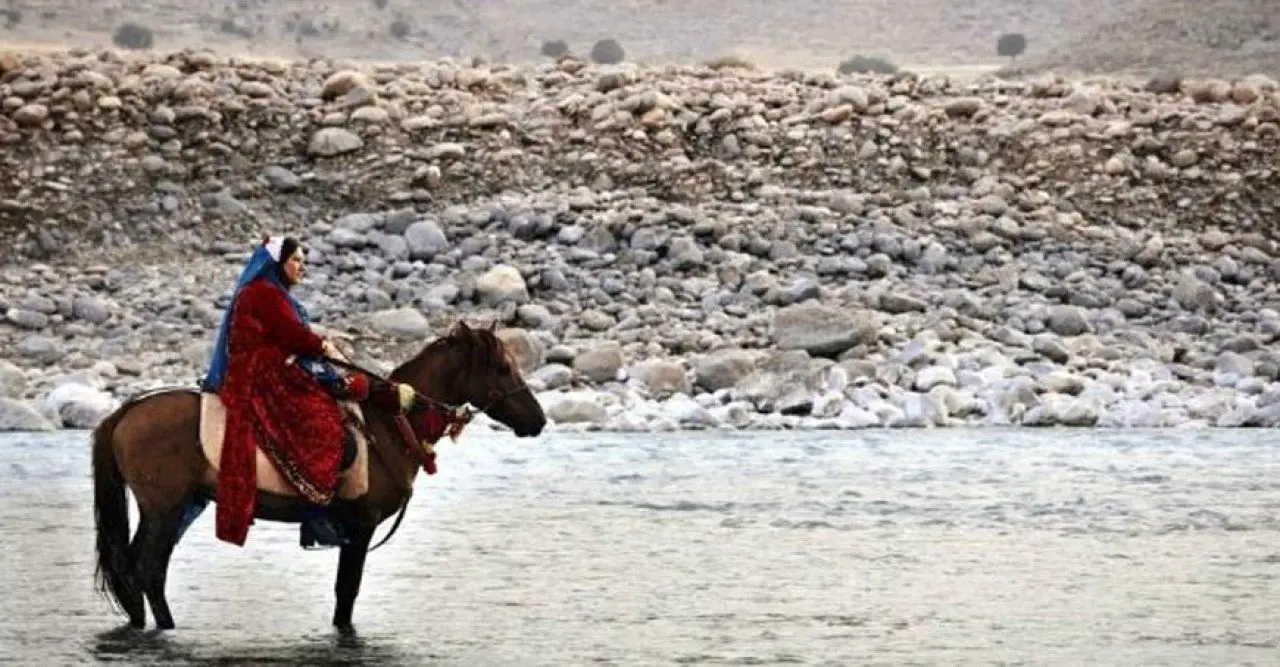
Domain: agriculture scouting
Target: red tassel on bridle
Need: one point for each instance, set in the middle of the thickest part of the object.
(427, 429)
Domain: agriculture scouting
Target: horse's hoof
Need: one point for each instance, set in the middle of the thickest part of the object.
(138, 623)
(165, 625)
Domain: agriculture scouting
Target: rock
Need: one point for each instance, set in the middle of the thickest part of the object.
(552, 376)
(343, 83)
(893, 302)
(78, 405)
(425, 240)
(528, 352)
(1068, 321)
(599, 363)
(724, 368)
(31, 115)
(574, 408)
(18, 416)
(281, 179)
(333, 141)
(1196, 295)
(661, 378)
(935, 376)
(13, 382)
(403, 323)
(90, 309)
(820, 330)
(501, 284)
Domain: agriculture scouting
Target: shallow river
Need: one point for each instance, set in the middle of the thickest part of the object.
(898, 547)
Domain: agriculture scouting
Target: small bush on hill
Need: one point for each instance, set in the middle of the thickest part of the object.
(400, 28)
(867, 65)
(730, 61)
(133, 36)
(1011, 45)
(555, 48)
(12, 17)
(608, 52)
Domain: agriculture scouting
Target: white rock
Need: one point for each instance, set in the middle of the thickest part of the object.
(403, 323)
(574, 407)
(20, 416)
(79, 406)
(686, 412)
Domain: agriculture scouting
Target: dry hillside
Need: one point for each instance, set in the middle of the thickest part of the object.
(1222, 37)
(773, 32)
(1194, 37)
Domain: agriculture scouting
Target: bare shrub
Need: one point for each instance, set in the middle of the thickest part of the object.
(1011, 45)
(608, 52)
(555, 48)
(730, 61)
(867, 65)
(133, 36)
(400, 28)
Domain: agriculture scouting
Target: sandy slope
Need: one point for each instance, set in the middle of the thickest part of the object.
(1215, 37)
(1194, 37)
(773, 32)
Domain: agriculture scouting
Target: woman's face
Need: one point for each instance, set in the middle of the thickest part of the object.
(294, 268)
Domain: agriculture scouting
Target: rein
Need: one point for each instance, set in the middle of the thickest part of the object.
(446, 418)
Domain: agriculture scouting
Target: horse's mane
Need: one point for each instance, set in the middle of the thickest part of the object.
(481, 347)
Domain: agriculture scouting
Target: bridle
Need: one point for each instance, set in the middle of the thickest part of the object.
(442, 419)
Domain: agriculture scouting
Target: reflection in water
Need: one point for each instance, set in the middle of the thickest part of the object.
(168, 648)
(905, 547)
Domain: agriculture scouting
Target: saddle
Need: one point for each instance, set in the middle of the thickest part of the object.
(352, 482)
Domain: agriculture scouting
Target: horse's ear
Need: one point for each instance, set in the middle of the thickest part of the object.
(460, 328)
(493, 324)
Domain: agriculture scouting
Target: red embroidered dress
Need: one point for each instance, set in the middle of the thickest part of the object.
(273, 405)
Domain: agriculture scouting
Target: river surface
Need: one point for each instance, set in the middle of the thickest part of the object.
(943, 547)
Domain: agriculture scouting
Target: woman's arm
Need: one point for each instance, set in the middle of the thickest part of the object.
(267, 304)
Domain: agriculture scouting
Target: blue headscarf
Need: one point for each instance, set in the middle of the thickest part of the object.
(262, 264)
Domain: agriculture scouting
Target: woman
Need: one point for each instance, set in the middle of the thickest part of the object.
(281, 396)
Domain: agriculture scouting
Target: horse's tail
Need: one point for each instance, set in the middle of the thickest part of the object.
(114, 576)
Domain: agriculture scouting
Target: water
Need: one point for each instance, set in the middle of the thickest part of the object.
(905, 547)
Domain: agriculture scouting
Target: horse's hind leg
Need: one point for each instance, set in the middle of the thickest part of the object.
(152, 546)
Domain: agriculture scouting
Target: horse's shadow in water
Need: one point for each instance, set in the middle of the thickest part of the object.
(164, 648)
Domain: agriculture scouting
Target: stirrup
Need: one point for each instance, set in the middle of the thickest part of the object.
(311, 534)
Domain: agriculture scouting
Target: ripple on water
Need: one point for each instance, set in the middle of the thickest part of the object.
(899, 547)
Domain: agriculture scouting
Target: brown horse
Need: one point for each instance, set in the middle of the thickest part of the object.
(150, 445)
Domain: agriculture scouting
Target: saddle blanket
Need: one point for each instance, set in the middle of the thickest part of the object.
(352, 483)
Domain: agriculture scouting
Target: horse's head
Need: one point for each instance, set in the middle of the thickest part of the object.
(470, 365)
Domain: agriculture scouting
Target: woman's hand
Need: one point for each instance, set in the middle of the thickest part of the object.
(329, 349)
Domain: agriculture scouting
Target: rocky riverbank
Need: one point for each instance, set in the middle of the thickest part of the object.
(666, 248)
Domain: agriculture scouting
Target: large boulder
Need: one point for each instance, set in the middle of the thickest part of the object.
(425, 239)
(501, 284)
(528, 352)
(661, 377)
(403, 323)
(332, 141)
(723, 368)
(19, 416)
(822, 331)
(13, 382)
(579, 407)
(79, 405)
(599, 363)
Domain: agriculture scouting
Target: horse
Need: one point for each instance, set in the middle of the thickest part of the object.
(151, 447)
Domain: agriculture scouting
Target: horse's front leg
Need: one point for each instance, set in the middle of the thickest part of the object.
(350, 572)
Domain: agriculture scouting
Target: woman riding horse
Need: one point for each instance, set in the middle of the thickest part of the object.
(282, 397)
